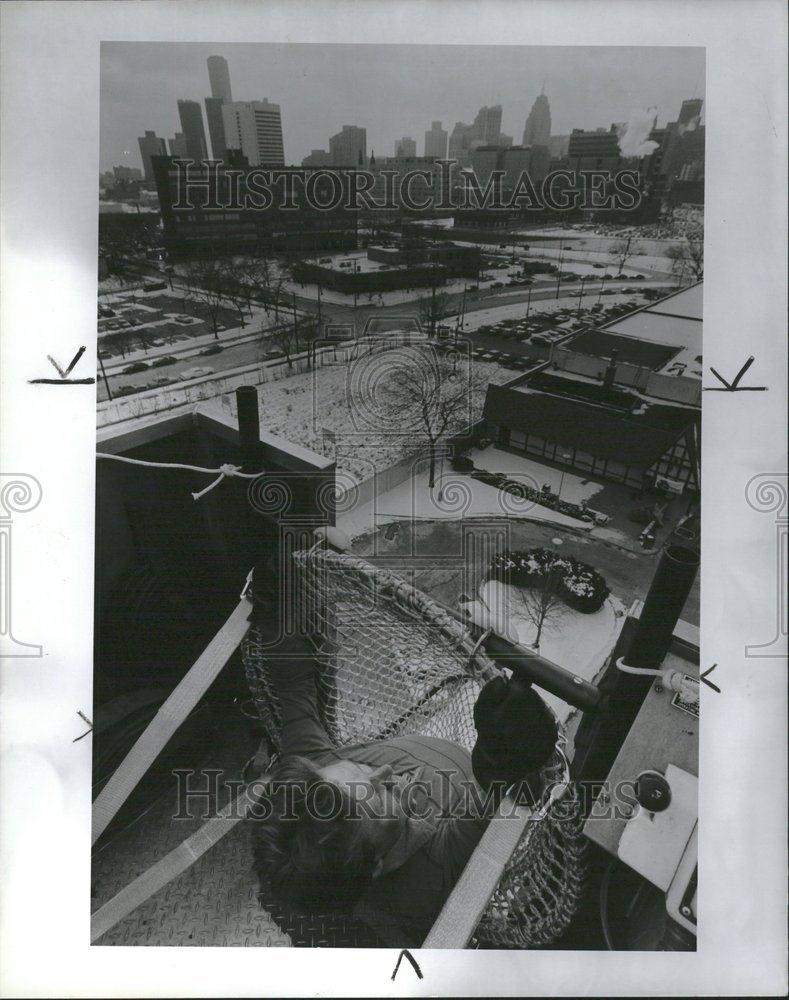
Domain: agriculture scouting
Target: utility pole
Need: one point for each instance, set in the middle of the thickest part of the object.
(580, 298)
(602, 286)
(433, 310)
(104, 375)
(295, 324)
(355, 295)
(528, 303)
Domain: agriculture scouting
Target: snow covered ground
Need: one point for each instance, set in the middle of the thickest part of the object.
(453, 497)
(342, 411)
(580, 643)
(533, 473)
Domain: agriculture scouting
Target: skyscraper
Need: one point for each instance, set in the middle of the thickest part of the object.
(405, 146)
(219, 76)
(216, 126)
(191, 115)
(178, 145)
(150, 145)
(349, 147)
(436, 141)
(487, 125)
(255, 127)
(537, 130)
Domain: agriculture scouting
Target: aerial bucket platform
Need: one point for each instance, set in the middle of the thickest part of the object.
(391, 661)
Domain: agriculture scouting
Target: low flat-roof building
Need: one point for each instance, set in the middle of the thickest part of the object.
(620, 401)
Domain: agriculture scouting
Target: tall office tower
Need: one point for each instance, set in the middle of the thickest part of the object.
(459, 143)
(348, 148)
(216, 127)
(191, 115)
(219, 77)
(537, 130)
(178, 145)
(405, 146)
(150, 145)
(255, 127)
(436, 142)
(505, 141)
(487, 125)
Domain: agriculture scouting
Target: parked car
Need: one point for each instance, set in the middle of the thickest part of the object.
(211, 349)
(168, 359)
(125, 390)
(191, 373)
(138, 366)
(497, 284)
(158, 382)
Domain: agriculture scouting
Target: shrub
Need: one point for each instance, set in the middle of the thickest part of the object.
(581, 588)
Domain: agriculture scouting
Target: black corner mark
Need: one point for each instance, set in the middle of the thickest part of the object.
(734, 385)
(63, 373)
(703, 677)
(86, 720)
(407, 954)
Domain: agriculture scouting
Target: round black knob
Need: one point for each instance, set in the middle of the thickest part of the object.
(653, 792)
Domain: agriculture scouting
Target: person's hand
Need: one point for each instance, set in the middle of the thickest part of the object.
(516, 732)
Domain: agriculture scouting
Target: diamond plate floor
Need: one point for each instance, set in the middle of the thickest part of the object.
(212, 903)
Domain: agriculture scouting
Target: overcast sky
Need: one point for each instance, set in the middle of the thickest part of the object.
(391, 90)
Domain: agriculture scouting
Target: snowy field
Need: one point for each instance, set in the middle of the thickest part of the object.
(343, 412)
(578, 642)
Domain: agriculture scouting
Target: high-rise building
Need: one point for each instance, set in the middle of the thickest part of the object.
(255, 127)
(459, 142)
(487, 125)
(405, 146)
(216, 127)
(191, 115)
(597, 150)
(537, 130)
(349, 147)
(219, 77)
(506, 140)
(317, 158)
(178, 145)
(484, 160)
(436, 141)
(150, 145)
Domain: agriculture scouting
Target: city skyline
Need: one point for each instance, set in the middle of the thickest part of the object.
(142, 83)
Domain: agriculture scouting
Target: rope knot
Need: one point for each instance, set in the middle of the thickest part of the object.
(224, 470)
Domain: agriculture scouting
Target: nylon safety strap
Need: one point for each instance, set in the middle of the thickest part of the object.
(467, 901)
(170, 866)
(184, 697)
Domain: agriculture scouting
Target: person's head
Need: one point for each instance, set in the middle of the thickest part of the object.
(323, 832)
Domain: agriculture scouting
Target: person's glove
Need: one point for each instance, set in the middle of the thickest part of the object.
(516, 733)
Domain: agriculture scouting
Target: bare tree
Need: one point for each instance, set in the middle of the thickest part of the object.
(284, 338)
(623, 252)
(433, 308)
(205, 280)
(434, 394)
(688, 255)
(541, 604)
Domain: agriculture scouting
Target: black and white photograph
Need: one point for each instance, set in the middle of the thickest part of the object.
(401, 362)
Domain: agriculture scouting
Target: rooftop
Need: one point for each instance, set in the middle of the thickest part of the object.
(665, 336)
